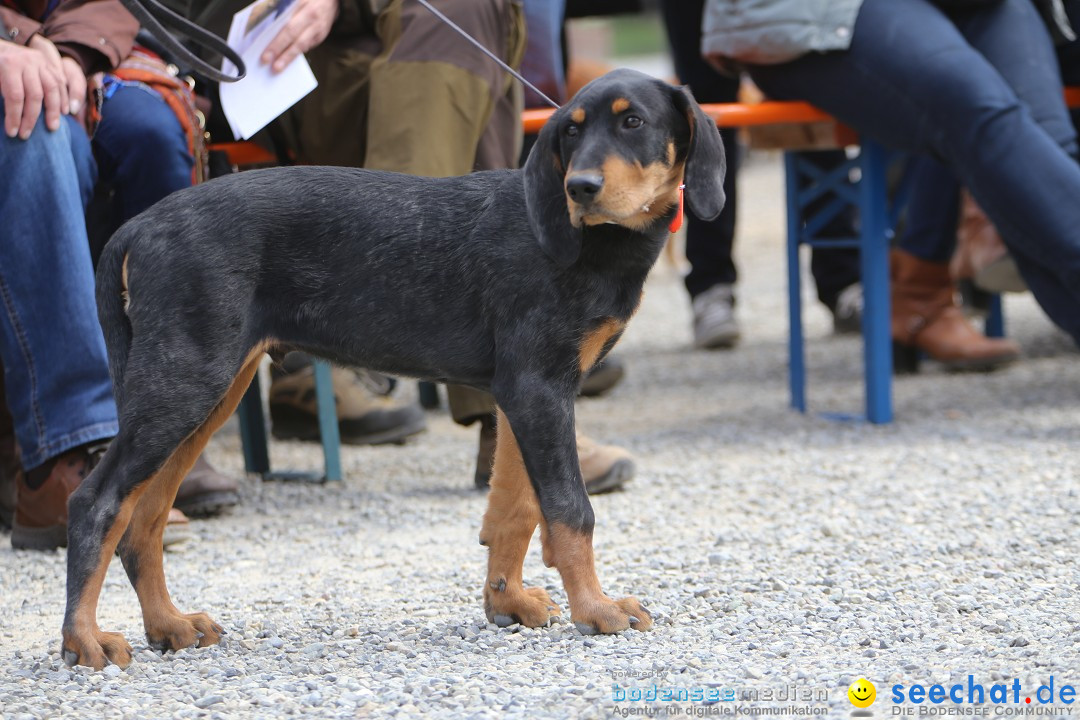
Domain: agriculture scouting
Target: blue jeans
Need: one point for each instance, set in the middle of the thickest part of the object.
(981, 91)
(933, 210)
(141, 151)
(55, 370)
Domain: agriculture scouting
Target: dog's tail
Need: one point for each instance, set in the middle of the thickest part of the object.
(112, 300)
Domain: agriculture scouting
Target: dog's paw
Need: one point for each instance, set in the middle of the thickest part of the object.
(532, 607)
(607, 616)
(97, 650)
(174, 632)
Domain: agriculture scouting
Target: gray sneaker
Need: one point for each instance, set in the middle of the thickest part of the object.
(847, 315)
(715, 325)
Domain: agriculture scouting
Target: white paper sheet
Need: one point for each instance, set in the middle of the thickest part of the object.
(262, 95)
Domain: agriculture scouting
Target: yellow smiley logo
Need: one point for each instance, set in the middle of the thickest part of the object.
(862, 693)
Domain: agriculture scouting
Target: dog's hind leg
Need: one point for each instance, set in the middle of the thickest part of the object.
(161, 433)
(509, 524)
(140, 548)
(98, 514)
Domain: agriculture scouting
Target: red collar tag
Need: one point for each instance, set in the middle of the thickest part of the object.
(676, 222)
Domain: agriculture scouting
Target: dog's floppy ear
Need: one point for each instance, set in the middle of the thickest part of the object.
(545, 197)
(705, 161)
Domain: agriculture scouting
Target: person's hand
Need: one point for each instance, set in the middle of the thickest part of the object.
(309, 25)
(28, 83)
(76, 84)
(56, 64)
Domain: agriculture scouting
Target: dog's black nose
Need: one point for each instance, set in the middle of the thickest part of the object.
(584, 188)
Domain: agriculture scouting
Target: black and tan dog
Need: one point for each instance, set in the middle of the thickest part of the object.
(513, 281)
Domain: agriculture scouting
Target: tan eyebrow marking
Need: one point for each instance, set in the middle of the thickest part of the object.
(619, 105)
(578, 115)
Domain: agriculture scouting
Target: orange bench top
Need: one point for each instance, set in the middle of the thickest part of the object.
(726, 115)
(729, 115)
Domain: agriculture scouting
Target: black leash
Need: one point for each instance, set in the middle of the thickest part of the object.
(158, 20)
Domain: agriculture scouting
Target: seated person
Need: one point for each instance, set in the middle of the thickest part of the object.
(56, 374)
(973, 85)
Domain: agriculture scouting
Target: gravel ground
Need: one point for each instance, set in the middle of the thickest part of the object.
(775, 549)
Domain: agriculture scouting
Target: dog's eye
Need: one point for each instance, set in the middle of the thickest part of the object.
(632, 121)
(571, 130)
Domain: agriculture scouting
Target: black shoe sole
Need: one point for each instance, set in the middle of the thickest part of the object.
(207, 504)
(907, 358)
(290, 423)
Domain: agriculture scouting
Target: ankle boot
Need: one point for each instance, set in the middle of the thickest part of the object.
(926, 318)
(981, 261)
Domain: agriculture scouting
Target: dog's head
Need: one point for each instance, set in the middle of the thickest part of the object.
(617, 153)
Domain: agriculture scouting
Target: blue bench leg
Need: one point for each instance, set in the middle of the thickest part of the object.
(796, 352)
(995, 321)
(328, 427)
(253, 430)
(874, 258)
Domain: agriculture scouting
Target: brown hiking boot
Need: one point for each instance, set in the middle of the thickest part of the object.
(366, 416)
(205, 491)
(41, 511)
(925, 317)
(603, 467)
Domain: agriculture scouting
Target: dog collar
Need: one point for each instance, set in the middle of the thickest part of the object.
(676, 222)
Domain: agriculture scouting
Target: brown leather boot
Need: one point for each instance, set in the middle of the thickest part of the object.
(41, 511)
(925, 317)
(981, 255)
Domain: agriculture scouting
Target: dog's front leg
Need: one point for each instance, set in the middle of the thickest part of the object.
(543, 427)
(509, 524)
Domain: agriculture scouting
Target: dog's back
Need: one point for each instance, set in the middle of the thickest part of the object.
(288, 249)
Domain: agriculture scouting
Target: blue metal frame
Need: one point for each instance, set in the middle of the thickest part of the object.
(995, 321)
(796, 354)
(805, 183)
(253, 430)
(328, 427)
(874, 262)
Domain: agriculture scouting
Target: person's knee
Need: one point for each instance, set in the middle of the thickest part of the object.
(149, 136)
(43, 143)
(973, 117)
(139, 125)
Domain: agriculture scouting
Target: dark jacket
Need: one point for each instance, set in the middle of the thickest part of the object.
(354, 16)
(97, 34)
